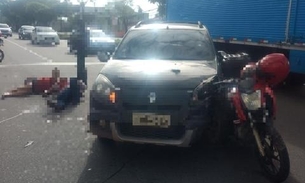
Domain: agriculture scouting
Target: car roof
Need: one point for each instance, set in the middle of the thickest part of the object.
(27, 26)
(43, 27)
(168, 25)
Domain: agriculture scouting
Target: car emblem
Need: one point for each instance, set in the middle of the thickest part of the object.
(152, 97)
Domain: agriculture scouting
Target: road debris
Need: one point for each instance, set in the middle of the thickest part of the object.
(28, 144)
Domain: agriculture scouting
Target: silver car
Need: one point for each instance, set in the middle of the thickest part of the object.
(45, 35)
(5, 30)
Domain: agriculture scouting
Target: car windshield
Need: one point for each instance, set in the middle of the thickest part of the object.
(28, 28)
(45, 29)
(4, 26)
(97, 34)
(167, 44)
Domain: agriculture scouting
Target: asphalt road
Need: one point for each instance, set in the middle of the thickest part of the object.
(37, 145)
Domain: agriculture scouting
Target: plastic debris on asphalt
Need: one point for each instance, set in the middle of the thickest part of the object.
(28, 144)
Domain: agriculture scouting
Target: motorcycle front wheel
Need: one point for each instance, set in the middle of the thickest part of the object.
(1, 55)
(275, 163)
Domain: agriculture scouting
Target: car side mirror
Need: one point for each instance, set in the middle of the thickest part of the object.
(103, 56)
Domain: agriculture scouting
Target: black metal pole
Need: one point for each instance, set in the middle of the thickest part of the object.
(81, 51)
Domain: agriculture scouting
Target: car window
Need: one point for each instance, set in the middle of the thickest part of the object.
(97, 34)
(171, 44)
(4, 26)
(45, 29)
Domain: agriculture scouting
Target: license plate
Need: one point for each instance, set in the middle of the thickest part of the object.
(151, 119)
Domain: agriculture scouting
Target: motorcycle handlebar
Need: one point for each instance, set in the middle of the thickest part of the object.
(227, 81)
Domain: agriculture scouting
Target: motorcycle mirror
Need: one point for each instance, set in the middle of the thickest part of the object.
(221, 55)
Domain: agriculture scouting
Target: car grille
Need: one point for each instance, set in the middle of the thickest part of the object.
(171, 133)
(132, 107)
(49, 38)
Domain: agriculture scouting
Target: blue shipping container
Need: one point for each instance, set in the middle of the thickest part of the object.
(272, 20)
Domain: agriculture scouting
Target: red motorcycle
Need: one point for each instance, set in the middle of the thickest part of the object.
(255, 107)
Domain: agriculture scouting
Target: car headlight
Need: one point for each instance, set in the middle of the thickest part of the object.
(252, 101)
(103, 89)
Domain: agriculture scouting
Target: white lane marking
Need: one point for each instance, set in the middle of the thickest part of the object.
(50, 63)
(20, 114)
(25, 48)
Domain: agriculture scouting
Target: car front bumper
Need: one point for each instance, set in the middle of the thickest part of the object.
(48, 40)
(6, 34)
(25, 35)
(113, 123)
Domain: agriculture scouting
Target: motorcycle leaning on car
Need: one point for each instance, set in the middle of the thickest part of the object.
(1, 52)
(254, 104)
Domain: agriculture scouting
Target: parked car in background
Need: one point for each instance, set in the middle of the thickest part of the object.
(97, 41)
(6, 30)
(25, 31)
(44, 35)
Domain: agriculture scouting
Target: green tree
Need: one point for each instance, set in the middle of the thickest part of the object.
(42, 12)
(161, 6)
(124, 11)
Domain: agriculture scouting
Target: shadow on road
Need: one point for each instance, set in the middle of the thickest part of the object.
(133, 163)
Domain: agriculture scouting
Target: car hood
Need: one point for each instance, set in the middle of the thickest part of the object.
(175, 74)
(47, 33)
(7, 29)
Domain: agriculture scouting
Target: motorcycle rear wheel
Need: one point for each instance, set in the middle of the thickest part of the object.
(276, 163)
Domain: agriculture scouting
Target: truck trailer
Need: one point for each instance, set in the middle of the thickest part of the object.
(257, 27)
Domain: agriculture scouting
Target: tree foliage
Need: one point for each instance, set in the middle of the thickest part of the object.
(161, 6)
(33, 12)
(124, 11)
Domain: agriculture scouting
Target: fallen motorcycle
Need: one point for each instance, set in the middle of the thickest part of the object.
(255, 108)
(1, 52)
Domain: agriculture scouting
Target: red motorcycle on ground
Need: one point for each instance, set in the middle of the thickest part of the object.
(255, 109)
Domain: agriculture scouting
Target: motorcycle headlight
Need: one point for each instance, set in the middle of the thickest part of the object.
(103, 89)
(252, 101)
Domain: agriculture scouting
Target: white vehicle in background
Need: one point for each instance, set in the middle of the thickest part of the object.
(45, 35)
(5, 30)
